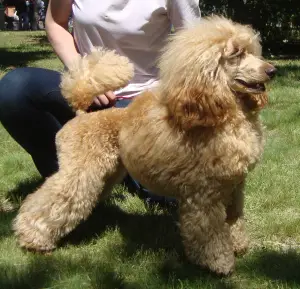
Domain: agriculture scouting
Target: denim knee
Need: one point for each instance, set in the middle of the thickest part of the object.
(13, 88)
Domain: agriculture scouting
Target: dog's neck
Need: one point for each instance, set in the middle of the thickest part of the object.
(252, 103)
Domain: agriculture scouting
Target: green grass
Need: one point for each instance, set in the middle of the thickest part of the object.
(128, 245)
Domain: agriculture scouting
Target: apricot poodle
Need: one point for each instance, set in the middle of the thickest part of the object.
(195, 137)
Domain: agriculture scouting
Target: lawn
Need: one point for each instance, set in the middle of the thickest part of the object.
(126, 244)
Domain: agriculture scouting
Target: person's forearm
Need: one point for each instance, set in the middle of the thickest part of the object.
(57, 30)
(62, 42)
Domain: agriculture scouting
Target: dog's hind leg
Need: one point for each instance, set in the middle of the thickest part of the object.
(206, 235)
(89, 166)
(235, 219)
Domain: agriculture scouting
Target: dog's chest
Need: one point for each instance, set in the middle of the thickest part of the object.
(164, 161)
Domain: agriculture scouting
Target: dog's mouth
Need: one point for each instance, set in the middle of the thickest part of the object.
(252, 94)
(250, 87)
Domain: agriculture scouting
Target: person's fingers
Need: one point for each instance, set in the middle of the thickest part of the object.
(111, 97)
(103, 100)
(96, 101)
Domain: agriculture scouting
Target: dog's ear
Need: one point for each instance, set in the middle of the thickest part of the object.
(205, 107)
(232, 49)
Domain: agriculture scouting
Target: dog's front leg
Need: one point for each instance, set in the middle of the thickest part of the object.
(235, 219)
(206, 235)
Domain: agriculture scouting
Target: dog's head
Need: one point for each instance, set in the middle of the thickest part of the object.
(210, 71)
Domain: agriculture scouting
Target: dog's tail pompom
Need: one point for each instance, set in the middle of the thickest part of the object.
(94, 74)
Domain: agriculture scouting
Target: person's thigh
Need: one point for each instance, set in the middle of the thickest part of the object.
(34, 88)
(32, 110)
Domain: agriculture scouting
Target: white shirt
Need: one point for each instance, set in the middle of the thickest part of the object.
(133, 28)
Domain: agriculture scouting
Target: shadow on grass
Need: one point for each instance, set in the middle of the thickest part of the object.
(24, 188)
(141, 233)
(277, 266)
(15, 196)
(40, 39)
(10, 58)
(187, 272)
(43, 271)
(34, 275)
(151, 232)
(56, 271)
(46, 272)
(85, 270)
(6, 224)
(147, 231)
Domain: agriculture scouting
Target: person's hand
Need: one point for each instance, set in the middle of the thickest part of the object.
(107, 99)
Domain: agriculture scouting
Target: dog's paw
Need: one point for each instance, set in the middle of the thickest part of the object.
(32, 235)
(39, 246)
(223, 264)
(241, 246)
(240, 240)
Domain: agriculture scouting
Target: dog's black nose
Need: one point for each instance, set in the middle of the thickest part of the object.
(271, 72)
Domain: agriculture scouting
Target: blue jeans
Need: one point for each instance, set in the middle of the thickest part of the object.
(33, 110)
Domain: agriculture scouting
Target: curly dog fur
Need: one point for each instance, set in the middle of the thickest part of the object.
(193, 138)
